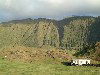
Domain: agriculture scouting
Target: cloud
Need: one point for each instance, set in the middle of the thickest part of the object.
(16, 9)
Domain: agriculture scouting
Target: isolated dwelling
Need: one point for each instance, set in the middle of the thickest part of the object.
(80, 61)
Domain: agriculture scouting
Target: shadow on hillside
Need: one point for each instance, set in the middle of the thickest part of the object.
(66, 63)
(69, 64)
(85, 51)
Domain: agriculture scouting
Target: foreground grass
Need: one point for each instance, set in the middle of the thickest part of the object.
(44, 68)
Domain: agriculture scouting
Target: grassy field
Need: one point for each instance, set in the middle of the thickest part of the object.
(46, 67)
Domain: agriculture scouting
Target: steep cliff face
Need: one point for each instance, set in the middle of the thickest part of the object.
(35, 33)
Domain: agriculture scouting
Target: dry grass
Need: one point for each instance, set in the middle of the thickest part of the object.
(29, 54)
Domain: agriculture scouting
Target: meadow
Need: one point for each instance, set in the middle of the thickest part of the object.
(45, 67)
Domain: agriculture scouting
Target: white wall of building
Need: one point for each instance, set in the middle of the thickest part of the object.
(81, 61)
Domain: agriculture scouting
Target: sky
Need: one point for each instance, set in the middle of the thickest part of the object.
(53, 9)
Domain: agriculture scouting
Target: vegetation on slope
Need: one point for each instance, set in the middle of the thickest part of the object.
(80, 32)
(70, 33)
(20, 60)
(74, 33)
(36, 33)
(90, 51)
(19, 39)
(30, 54)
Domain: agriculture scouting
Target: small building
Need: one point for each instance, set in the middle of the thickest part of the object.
(80, 61)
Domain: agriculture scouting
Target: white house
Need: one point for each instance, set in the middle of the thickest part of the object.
(80, 61)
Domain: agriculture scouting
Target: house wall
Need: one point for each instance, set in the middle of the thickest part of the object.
(80, 62)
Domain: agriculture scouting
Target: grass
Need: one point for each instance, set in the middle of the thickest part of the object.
(47, 67)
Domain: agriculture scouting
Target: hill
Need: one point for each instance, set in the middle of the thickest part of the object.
(72, 33)
(32, 33)
(44, 46)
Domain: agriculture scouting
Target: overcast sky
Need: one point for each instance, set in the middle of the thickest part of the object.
(57, 9)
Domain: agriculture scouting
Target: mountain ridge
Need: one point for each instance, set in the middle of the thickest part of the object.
(72, 33)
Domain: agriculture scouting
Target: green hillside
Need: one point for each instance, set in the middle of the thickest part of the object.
(34, 33)
(44, 46)
(73, 33)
